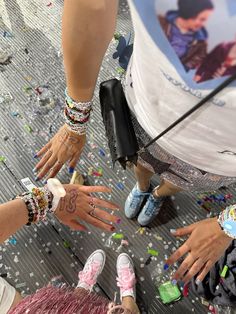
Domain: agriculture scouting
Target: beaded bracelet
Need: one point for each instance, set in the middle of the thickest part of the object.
(77, 114)
(38, 203)
(227, 221)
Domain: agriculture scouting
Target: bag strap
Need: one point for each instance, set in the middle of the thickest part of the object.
(192, 110)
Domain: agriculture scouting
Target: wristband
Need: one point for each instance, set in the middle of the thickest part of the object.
(227, 221)
(58, 191)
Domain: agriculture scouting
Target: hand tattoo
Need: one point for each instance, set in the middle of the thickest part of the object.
(71, 206)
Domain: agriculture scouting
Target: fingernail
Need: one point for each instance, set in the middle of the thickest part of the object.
(71, 170)
(166, 266)
(118, 221)
(172, 230)
(35, 170)
(35, 156)
(174, 282)
(112, 228)
(197, 282)
(37, 179)
(45, 181)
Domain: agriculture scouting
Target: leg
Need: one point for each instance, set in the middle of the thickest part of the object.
(143, 177)
(16, 300)
(155, 202)
(130, 304)
(140, 191)
(166, 189)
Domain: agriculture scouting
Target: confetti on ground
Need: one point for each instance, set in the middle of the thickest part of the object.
(118, 236)
(152, 252)
(28, 128)
(2, 159)
(224, 271)
(120, 186)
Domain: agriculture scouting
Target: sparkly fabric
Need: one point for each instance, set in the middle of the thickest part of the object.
(51, 300)
(169, 167)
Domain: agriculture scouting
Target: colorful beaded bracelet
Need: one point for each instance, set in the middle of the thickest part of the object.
(227, 221)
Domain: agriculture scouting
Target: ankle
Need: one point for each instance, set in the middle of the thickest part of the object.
(143, 187)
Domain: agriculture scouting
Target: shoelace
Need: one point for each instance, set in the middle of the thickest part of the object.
(88, 275)
(126, 279)
(154, 204)
(135, 200)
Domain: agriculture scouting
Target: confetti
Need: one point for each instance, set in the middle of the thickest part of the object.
(118, 236)
(120, 186)
(2, 159)
(28, 128)
(152, 252)
(224, 271)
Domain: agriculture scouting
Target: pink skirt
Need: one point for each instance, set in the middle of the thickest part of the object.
(52, 300)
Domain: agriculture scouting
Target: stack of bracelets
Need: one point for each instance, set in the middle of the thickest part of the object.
(227, 221)
(38, 203)
(77, 114)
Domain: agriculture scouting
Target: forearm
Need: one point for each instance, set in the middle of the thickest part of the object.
(87, 28)
(13, 215)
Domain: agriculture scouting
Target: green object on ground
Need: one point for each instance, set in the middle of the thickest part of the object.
(153, 252)
(2, 158)
(66, 244)
(169, 292)
(118, 236)
(28, 128)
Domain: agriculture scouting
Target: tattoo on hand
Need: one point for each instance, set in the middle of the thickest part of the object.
(68, 202)
(71, 206)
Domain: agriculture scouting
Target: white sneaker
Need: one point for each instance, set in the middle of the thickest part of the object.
(92, 269)
(126, 276)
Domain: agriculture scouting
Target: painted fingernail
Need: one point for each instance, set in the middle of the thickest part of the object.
(45, 181)
(172, 230)
(118, 221)
(166, 266)
(197, 282)
(35, 170)
(112, 228)
(35, 156)
(37, 179)
(71, 170)
(174, 282)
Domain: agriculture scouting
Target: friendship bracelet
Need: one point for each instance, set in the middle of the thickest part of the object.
(80, 106)
(227, 221)
(38, 203)
(77, 115)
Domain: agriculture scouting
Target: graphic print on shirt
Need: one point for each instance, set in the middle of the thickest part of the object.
(201, 34)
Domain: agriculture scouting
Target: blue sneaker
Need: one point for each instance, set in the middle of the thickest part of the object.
(150, 210)
(135, 201)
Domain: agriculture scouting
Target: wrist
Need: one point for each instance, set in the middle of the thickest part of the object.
(227, 221)
(77, 114)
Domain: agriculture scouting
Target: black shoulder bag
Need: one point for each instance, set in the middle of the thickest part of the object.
(116, 116)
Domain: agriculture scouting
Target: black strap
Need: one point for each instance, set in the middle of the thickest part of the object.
(188, 113)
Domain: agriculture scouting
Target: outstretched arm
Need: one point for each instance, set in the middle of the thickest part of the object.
(87, 29)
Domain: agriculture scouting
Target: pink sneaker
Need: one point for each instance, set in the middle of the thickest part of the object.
(126, 276)
(92, 269)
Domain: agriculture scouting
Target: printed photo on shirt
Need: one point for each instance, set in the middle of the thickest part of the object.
(201, 34)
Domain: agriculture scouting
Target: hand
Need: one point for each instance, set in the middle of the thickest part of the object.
(64, 146)
(204, 247)
(78, 203)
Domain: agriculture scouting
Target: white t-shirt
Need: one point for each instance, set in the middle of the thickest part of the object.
(169, 77)
(7, 295)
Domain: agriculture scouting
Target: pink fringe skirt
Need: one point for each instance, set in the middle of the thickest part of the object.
(52, 300)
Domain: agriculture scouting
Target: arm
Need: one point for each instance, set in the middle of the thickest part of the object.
(75, 205)
(13, 215)
(87, 29)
